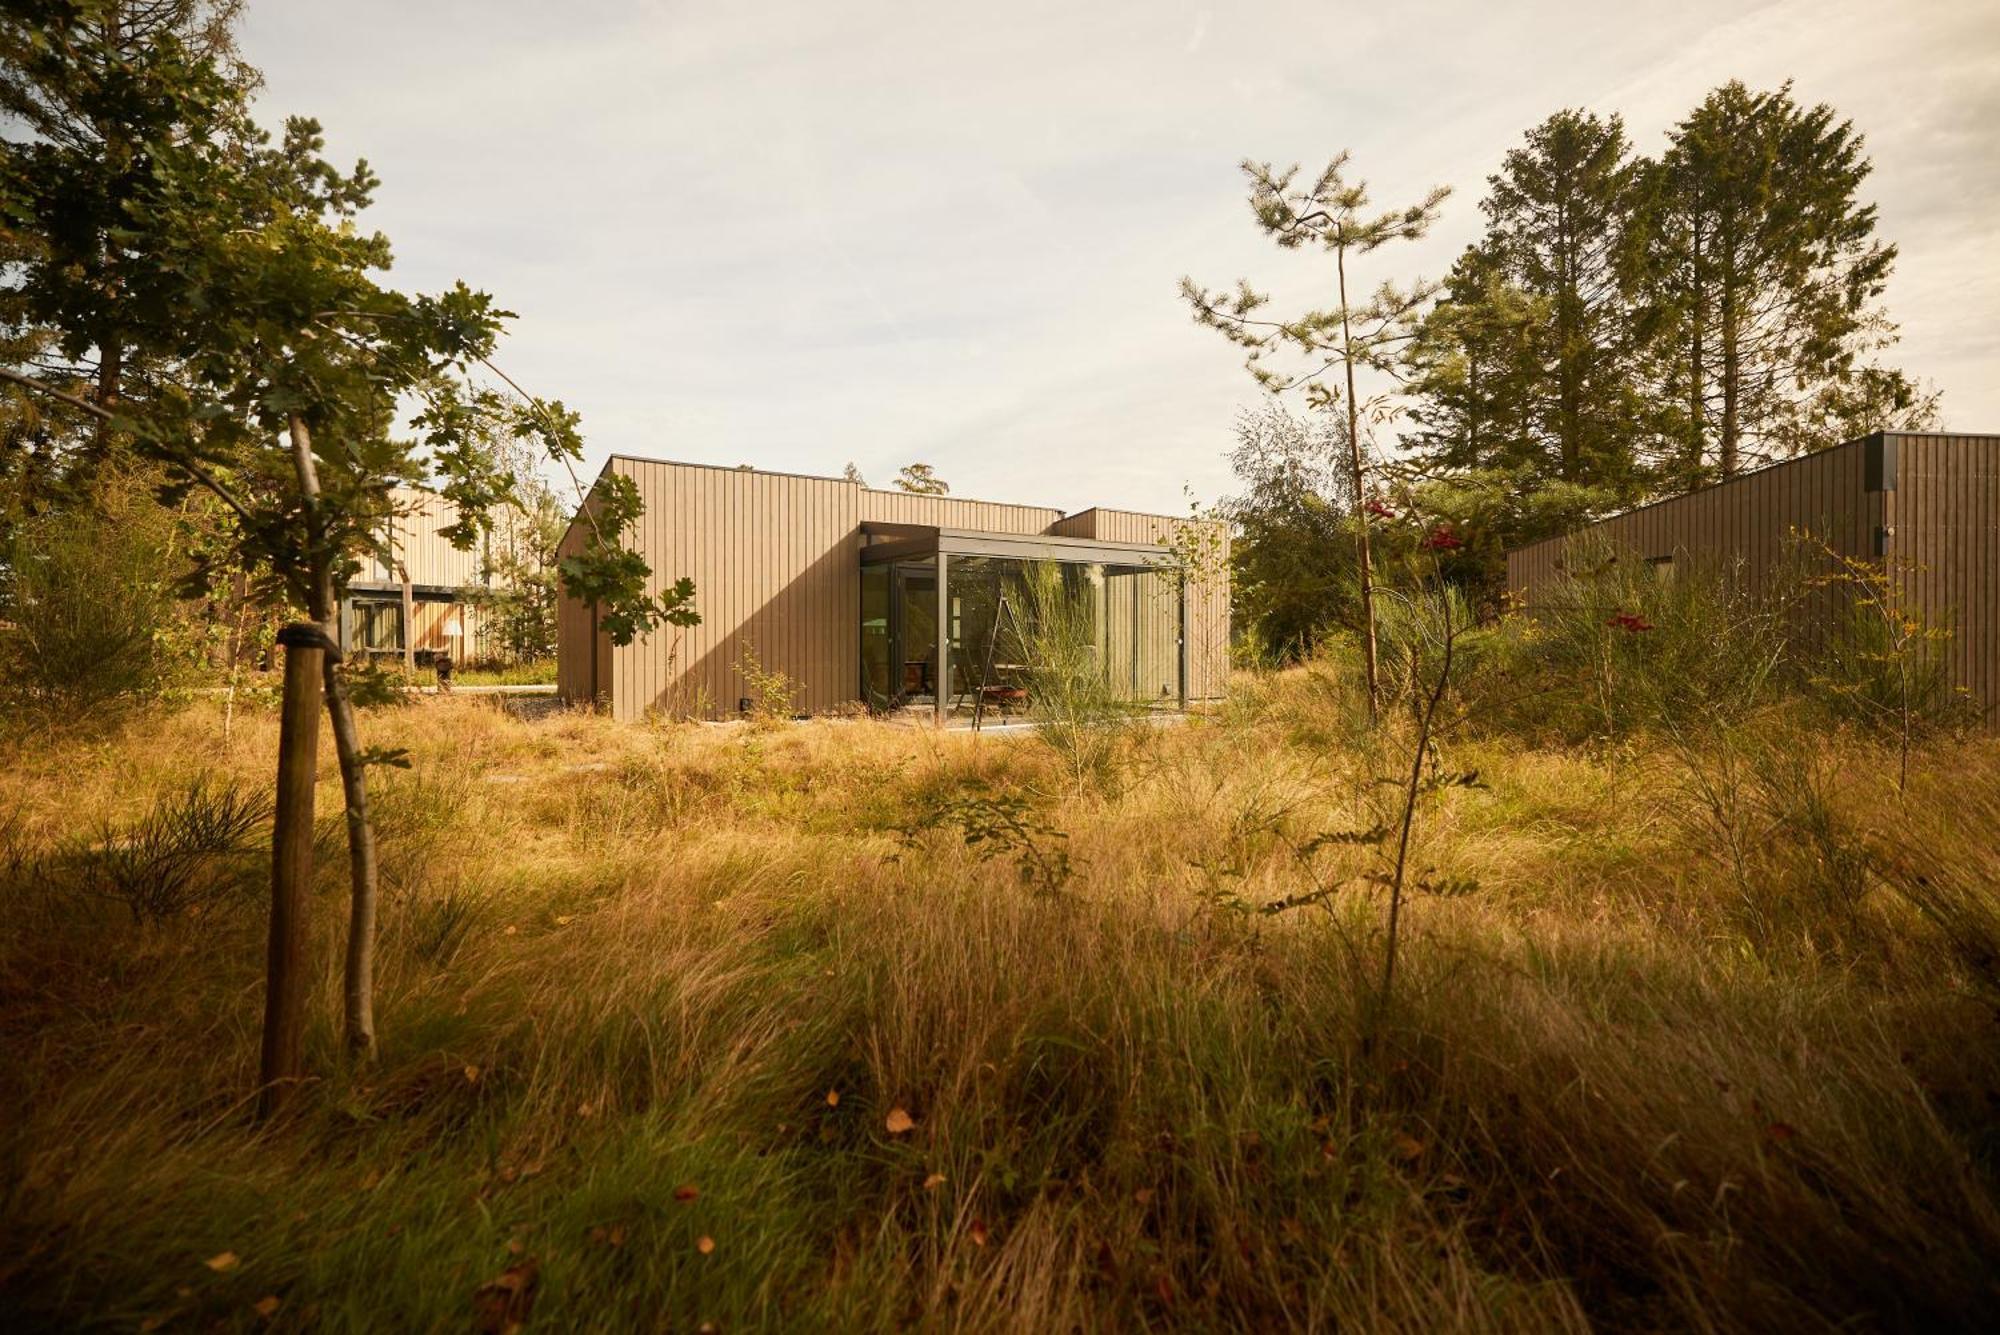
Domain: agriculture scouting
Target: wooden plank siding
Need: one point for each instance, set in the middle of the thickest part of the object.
(1943, 547)
(1937, 521)
(775, 559)
(417, 545)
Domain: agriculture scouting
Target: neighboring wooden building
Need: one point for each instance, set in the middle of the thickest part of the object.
(845, 590)
(1925, 504)
(412, 603)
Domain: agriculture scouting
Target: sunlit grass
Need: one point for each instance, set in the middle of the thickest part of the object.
(647, 986)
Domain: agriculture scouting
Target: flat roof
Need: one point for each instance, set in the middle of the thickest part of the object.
(904, 542)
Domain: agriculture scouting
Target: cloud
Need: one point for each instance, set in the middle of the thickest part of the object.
(794, 235)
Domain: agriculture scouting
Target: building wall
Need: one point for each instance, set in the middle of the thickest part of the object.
(1939, 527)
(418, 546)
(775, 558)
(575, 663)
(900, 507)
(1944, 547)
(416, 541)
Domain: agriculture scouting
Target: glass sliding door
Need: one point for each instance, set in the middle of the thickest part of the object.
(1021, 636)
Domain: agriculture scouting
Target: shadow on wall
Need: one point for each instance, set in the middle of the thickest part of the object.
(810, 629)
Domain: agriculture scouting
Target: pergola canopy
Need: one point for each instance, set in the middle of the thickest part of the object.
(913, 542)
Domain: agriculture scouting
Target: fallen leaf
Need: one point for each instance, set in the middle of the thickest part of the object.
(1143, 1196)
(833, 1098)
(1408, 1147)
(686, 1191)
(1781, 1131)
(704, 1244)
(472, 1075)
(503, 1305)
(223, 1262)
(510, 930)
(152, 1323)
(977, 1232)
(565, 919)
(267, 1307)
(900, 1122)
(934, 1181)
(1164, 1287)
(515, 1246)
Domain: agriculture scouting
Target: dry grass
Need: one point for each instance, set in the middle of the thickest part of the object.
(1629, 1081)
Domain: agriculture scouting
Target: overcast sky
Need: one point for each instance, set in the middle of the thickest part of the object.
(794, 235)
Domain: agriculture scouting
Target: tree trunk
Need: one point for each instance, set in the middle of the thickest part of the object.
(1731, 384)
(1360, 500)
(1697, 392)
(283, 1065)
(363, 878)
(409, 623)
(110, 371)
(363, 874)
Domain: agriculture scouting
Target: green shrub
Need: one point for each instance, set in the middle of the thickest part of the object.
(1619, 645)
(90, 621)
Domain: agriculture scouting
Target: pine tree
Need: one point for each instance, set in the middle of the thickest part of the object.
(1330, 214)
(1762, 275)
(921, 480)
(1555, 220)
(1472, 371)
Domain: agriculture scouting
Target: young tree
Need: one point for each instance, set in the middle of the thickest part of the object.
(853, 474)
(1331, 214)
(282, 367)
(1761, 272)
(921, 480)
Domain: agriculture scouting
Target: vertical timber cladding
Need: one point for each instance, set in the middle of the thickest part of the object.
(1750, 518)
(775, 560)
(1942, 517)
(575, 663)
(1927, 503)
(772, 557)
(1208, 598)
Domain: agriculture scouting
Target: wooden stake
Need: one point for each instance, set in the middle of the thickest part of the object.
(291, 868)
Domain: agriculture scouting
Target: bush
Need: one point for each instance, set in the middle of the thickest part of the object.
(1619, 645)
(181, 855)
(89, 618)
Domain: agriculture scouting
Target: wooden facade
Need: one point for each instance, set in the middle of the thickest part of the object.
(418, 588)
(775, 560)
(1924, 504)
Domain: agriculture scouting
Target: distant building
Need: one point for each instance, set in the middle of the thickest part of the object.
(414, 602)
(1925, 504)
(885, 599)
